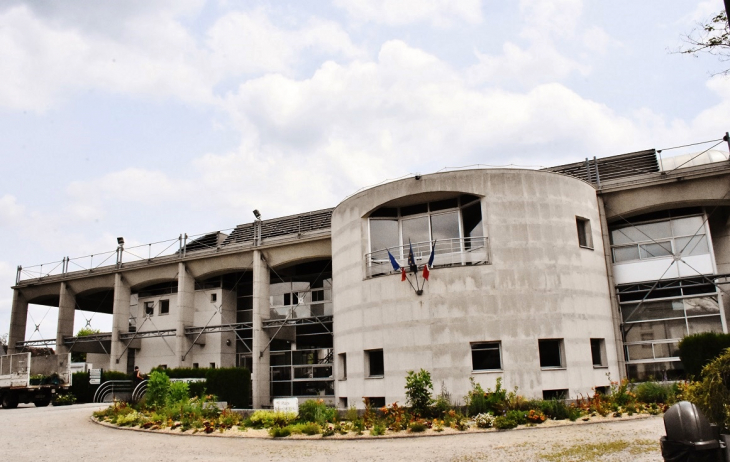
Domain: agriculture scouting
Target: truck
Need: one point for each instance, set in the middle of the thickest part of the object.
(25, 378)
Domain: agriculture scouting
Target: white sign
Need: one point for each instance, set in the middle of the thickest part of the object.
(95, 377)
(286, 405)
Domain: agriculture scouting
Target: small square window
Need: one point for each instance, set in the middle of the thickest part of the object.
(164, 307)
(555, 394)
(149, 308)
(213, 298)
(585, 238)
(195, 365)
(374, 364)
(551, 353)
(598, 352)
(343, 403)
(486, 356)
(342, 365)
(603, 390)
(212, 365)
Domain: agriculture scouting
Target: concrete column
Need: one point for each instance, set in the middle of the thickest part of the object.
(66, 312)
(120, 323)
(185, 313)
(615, 313)
(261, 359)
(18, 320)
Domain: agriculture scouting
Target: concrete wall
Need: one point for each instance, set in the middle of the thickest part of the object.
(540, 285)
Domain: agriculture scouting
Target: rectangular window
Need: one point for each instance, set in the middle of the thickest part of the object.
(342, 365)
(213, 298)
(343, 403)
(486, 356)
(551, 353)
(376, 402)
(555, 394)
(598, 352)
(374, 364)
(164, 307)
(149, 308)
(584, 232)
(212, 365)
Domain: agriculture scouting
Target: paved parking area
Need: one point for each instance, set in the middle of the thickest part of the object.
(59, 434)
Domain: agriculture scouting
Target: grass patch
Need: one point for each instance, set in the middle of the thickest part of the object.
(598, 451)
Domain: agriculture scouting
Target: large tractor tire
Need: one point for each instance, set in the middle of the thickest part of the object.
(10, 400)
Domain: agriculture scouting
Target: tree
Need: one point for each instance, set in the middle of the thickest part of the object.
(711, 37)
(418, 392)
(83, 332)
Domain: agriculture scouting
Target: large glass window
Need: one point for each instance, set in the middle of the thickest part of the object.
(675, 236)
(420, 224)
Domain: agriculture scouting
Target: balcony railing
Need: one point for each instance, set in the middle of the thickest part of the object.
(447, 252)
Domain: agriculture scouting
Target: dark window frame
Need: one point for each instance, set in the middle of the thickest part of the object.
(548, 355)
(376, 368)
(485, 354)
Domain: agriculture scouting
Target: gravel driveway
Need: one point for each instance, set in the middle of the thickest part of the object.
(61, 434)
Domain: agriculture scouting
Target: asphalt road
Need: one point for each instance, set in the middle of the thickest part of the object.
(66, 433)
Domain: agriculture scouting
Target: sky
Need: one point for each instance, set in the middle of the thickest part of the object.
(148, 119)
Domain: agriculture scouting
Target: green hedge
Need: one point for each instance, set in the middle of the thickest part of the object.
(698, 350)
(232, 385)
(84, 392)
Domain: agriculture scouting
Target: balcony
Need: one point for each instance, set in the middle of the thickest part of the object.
(447, 252)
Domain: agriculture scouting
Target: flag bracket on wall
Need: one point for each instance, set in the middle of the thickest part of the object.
(413, 268)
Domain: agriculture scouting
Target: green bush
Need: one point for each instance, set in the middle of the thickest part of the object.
(418, 392)
(157, 389)
(555, 409)
(177, 392)
(378, 430)
(316, 411)
(653, 392)
(697, 350)
(268, 419)
(504, 423)
(310, 428)
(479, 401)
(280, 432)
(712, 393)
(417, 427)
(232, 385)
(518, 416)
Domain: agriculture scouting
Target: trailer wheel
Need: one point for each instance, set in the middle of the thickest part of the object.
(10, 400)
(42, 402)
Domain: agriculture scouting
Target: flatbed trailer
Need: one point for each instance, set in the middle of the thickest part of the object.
(15, 378)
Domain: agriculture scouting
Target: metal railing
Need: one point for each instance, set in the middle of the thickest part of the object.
(447, 252)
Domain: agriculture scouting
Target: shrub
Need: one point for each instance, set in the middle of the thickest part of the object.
(418, 392)
(555, 409)
(310, 429)
(479, 401)
(157, 389)
(316, 411)
(518, 416)
(177, 392)
(504, 423)
(417, 427)
(442, 404)
(535, 417)
(280, 432)
(653, 392)
(697, 350)
(352, 414)
(268, 419)
(484, 420)
(64, 399)
(712, 393)
(378, 430)
(232, 385)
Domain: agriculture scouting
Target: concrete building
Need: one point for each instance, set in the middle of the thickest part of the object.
(553, 280)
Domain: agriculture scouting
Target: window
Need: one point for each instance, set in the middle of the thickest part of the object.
(685, 236)
(598, 352)
(195, 365)
(555, 394)
(376, 401)
(374, 365)
(213, 298)
(604, 390)
(486, 356)
(212, 365)
(164, 307)
(551, 353)
(343, 403)
(149, 308)
(342, 365)
(584, 232)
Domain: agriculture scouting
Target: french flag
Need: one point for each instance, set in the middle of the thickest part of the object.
(426, 272)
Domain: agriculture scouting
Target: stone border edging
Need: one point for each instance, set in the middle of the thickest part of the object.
(403, 434)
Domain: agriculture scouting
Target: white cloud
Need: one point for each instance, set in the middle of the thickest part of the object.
(543, 18)
(243, 43)
(440, 13)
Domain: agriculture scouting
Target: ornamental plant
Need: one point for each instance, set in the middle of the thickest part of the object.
(418, 392)
(484, 420)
